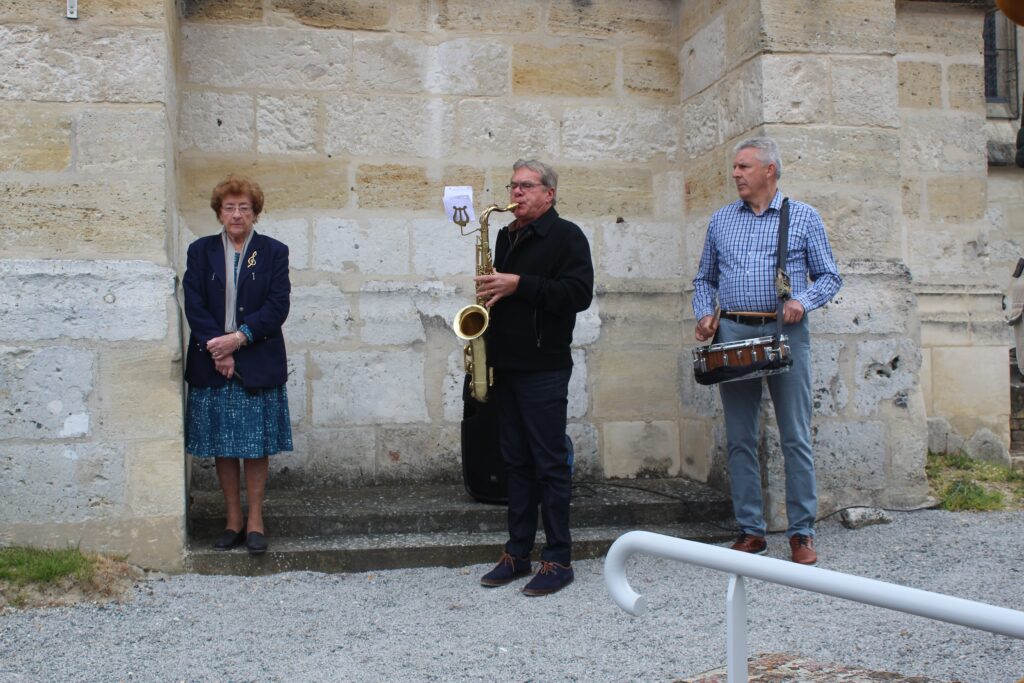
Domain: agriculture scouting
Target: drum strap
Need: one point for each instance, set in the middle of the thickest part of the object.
(782, 285)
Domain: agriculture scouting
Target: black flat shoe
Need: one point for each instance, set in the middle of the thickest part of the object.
(256, 543)
(228, 539)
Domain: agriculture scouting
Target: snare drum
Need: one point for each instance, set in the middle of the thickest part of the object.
(741, 359)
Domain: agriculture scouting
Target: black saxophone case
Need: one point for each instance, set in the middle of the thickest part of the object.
(483, 468)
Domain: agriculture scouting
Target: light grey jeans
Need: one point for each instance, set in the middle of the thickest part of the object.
(791, 396)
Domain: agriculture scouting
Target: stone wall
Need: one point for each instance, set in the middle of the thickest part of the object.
(90, 373)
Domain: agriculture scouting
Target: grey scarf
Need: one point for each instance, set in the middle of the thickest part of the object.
(231, 277)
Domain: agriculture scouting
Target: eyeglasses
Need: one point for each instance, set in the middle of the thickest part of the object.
(231, 208)
(525, 187)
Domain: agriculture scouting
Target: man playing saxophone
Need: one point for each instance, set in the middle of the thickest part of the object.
(543, 277)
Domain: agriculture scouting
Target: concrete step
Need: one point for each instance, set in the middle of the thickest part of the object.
(386, 527)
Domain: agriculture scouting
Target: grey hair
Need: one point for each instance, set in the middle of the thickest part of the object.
(548, 175)
(767, 152)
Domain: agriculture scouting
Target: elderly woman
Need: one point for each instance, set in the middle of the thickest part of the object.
(236, 300)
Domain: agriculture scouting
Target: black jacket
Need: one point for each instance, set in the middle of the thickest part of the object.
(263, 301)
(532, 329)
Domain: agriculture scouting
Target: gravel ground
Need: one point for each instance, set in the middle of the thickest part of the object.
(439, 625)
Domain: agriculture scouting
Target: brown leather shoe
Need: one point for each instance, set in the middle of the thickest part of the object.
(803, 549)
(748, 543)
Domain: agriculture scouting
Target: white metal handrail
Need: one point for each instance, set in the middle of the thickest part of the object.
(923, 603)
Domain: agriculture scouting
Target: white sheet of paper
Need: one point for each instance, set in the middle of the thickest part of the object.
(460, 196)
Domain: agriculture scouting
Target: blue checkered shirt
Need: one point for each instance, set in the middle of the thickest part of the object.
(737, 266)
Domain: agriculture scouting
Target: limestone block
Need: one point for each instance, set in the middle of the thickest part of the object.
(833, 26)
(294, 232)
(641, 250)
(389, 319)
(939, 28)
(707, 184)
(104, 217)
(637, 384)
(692, 15)
(702, 57)
(435, 299)
(920, 85)
(941, 142)
(668, 195)
(469, 67)
(289, 59)
(643, 319)
(297, 386)
(866, 305)
(743, 36)
(648, 448)
(216, 122)
(588, 325)
(864, 91)
(608, 191)
(642, 20)
(587, 464)
(650, 72)
(233, 10)
(34, 137)
(451, 390)
(741, 101)
(956, 199)
(620, 133)
(475, 17)
(395, 186)
(286, 124)
(695, 461)
(418, 453)
(440, 250)
(70, 482)
(346, 246)
(46, 392)
(121, 11)
(512, 130)
(943, 437)
(907, 484)
(338, 456)
(839, 155)
(389, 64)
(578, 398)
(911, 195)
(573, 71)
(360, 388)
(140, 392)
(926, 379)
(370, 125)
(945, 331)
(320, 314)
(108, 300)
(797, 88)
(987, 447)
(108, 140)
(860, 517)
(288, 184)
(859, 225)
(101, 64)
(849, 457)
(153, 483)
(366, 15)
(970, 381)
(829, 391)
(885, 370)
(701, 123)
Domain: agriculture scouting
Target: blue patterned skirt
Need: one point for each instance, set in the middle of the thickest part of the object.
(229, 422)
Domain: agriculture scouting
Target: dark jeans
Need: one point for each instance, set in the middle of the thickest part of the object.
(532, 414)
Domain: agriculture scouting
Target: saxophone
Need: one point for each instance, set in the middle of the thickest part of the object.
(471, 321)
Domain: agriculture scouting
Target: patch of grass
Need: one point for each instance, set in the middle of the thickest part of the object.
(22, 566)
(962, 483)
(964, 494)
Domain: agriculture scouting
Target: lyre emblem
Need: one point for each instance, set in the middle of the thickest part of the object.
(252, 260)
(460, 216)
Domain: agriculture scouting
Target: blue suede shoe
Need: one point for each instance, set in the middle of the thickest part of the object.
(551, 578)
(507, 570)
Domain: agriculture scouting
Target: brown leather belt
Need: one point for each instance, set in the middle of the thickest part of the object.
(748, 319)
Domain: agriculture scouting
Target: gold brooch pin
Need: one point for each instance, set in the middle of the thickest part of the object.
(252, 260)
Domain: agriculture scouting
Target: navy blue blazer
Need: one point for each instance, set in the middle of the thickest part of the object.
(263, 297)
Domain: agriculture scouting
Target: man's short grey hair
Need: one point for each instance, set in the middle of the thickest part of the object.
(767, 152)
(548, 175)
